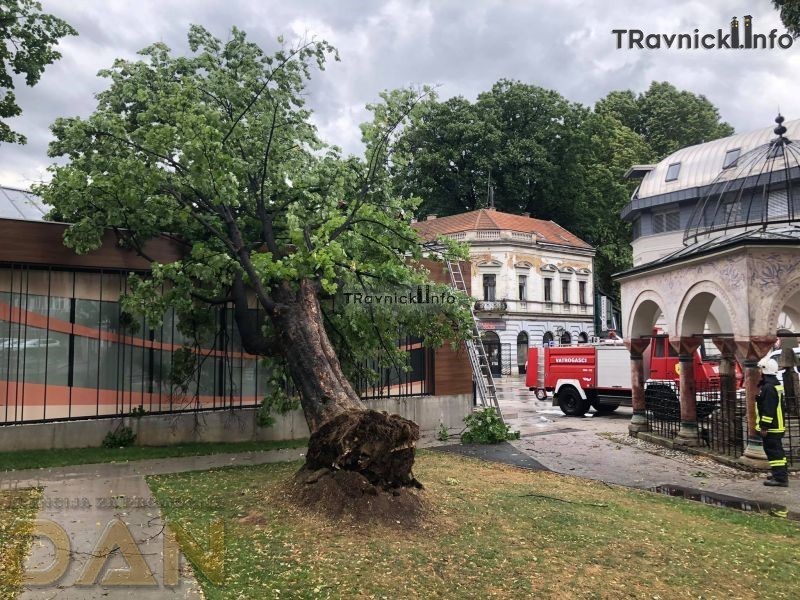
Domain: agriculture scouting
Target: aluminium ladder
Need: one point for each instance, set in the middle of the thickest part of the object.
(481, 370)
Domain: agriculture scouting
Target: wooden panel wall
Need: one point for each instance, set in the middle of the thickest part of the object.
(39, 242)
(451, 370)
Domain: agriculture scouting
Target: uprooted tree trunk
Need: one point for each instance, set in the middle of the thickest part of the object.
(365, 451)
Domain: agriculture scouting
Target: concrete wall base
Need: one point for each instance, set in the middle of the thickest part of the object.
(237, 425)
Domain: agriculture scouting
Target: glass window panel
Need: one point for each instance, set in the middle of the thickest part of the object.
(208, 372)
(42, 356)
(673, 171)
(109, 316)
(109, 359)
(139, 374)
(87, 312)
(38, 304)
(87, 355)
(489, 282)
(731, 158)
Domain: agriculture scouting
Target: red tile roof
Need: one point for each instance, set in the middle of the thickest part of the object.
(546, 231)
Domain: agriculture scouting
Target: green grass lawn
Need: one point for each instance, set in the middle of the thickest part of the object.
(491, 534)
(17, 511)
(33, 459)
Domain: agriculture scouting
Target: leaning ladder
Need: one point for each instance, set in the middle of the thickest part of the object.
(481, 371)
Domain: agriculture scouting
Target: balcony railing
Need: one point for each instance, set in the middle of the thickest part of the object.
(492, 235)
(491, 306)
(532, 306)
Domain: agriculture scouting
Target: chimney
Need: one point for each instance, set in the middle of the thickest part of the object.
(430, 217)
(526, 214)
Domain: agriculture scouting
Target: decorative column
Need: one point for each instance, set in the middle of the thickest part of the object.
(639, 420)
(686, 347)
(750, 351)
(731, 427)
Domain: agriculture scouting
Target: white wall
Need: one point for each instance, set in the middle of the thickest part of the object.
(652, 247)
(505, 259)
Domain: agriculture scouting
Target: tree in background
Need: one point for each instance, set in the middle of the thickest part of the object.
(790, 14)
(613, 149)
(547, 156)
(28, 38)
(216, 149)
(667, 118)
(520, 137)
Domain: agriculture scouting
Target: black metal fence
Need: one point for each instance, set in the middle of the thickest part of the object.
(791, 439)
(721, 418)
(410, 376)
(68, 351)
(663, 408)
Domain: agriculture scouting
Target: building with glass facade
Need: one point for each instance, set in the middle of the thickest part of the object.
(67, 350)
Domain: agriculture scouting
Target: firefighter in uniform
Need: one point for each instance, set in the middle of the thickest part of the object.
(770, 411)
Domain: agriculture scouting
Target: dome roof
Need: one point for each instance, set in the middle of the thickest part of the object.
(701, 163)
(757, 188)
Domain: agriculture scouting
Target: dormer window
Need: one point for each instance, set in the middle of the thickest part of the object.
(731, 158)
(673, 171)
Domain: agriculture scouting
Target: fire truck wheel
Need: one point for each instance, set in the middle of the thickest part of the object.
(571, 403)
(541, 394)
(605, 408)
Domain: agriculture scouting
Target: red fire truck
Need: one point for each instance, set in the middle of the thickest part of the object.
(599, 375)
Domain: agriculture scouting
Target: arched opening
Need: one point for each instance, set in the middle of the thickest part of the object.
(547, 338)
(644, 319)
(583, 337)
(566, 338)
(696, 316)
(706, 314)
(522, 351)
(491, 343)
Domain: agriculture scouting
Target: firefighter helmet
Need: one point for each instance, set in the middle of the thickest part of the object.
(768, 366)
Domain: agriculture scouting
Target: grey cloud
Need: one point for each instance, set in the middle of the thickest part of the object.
(462, 46)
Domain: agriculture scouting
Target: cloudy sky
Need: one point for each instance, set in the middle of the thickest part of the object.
(463, 46)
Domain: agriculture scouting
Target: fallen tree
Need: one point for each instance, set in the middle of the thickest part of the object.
(217, 150)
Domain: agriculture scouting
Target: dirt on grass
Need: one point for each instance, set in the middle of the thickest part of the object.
(350, 496)
(359, 468)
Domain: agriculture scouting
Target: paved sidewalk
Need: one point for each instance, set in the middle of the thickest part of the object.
(579, 446)
(84, 501)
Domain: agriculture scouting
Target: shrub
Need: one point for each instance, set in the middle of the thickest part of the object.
(121, 437)
(486, 427)
(442, 435)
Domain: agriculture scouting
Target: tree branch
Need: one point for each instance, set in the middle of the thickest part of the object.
(257, 95)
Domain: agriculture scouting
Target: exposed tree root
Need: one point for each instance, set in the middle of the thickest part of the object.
(359, 465)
